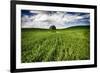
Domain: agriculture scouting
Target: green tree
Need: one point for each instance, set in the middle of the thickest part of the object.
(53, 27)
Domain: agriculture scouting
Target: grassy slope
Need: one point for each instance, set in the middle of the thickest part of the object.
(47, 45)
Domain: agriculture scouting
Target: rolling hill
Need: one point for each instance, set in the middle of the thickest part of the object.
(44, 45)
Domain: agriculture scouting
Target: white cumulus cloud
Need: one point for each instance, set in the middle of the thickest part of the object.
(44, 19)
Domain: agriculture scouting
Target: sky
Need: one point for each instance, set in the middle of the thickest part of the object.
(61, 19)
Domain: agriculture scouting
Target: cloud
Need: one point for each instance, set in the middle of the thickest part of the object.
(44, 19)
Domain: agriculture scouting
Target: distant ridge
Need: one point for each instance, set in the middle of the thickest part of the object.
(88, 26)
(81, 27)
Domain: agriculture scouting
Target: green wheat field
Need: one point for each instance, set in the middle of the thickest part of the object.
(45, 45)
